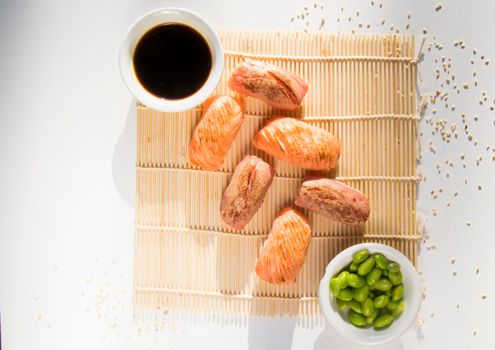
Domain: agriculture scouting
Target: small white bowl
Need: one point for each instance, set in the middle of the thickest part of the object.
(164, 16)
(369, 336)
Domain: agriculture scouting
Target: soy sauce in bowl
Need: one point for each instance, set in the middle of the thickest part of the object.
(172, 61)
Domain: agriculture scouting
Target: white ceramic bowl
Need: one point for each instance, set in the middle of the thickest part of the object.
(163, 16)
(369, 336)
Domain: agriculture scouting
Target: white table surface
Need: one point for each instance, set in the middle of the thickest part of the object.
(67, 154)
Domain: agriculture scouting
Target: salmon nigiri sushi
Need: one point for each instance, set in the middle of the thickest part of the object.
(245, 193)
(299, 143)
(215, 132)
(275, 86)
(283, 253)
(334, 200)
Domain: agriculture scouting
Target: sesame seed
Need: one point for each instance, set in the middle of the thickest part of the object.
(438, 7)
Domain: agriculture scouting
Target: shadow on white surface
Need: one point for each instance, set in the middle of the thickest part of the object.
(329, 339)
(271, 333)
(124, 159)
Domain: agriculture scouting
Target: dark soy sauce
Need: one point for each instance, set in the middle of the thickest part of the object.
(172, 61)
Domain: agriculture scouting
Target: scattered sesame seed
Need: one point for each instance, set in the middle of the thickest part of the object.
(468, 223)
(477, 270)
(483, 296)
(452, 260)
(438, 7)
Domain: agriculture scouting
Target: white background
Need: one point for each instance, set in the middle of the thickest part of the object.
(67, 154)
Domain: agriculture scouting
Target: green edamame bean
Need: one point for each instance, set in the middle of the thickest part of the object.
(383, 321)
(373, 276)
(366, 266)
(356, 306)
(360, 256)
(392, 305)
(353, 267)
(395, 277)
(381, 301)
(343, 279)
(342, 304)
(335, 286)
(368, 307)
(381, 261)
(370, 319)
(389, 293)
(400, 308)
(360, 294)
(383, 284)
(354, 280)
(393, 267)
(345, 294)
(356, 319)
(397, 293)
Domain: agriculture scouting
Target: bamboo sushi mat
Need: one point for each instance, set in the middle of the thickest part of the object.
(362, 88)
